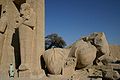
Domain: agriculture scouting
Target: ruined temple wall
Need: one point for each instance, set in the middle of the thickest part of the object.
(8, 50)
(8, 55)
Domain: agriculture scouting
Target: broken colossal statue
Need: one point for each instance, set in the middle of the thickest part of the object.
(98, 39)
(84, 52)
(90, 49)
(54, 60)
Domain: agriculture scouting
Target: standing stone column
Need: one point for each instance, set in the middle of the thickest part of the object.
(26, 35)
(8, 50)
(8, 56)
(3, 26)
(38, 7)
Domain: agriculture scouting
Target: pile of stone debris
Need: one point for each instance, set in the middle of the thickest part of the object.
(89, 58)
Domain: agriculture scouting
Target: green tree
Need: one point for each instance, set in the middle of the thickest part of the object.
(53, 40)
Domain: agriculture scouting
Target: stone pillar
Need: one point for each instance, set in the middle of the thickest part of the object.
(38, 6)
(8, 50)
(8, 56)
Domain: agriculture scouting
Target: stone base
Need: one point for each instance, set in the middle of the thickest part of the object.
(38, 75)
(24, 73)
(23, 67)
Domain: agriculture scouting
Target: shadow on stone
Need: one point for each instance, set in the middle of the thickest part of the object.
(15, 43)
(43, 66)
(18, 3)
(94, 77)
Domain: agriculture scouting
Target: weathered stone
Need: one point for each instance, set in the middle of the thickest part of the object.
(1, 45)
(116, 75)
(99, 40)
(74, 47)
(3, 26)
(101, 43)
(54, 60)
(26, 33)
(9, 50)
(107, 60)
(69, 66)
(94, 74)
(84, 52)
(24, 73)
(108, 71)
(3, 22)
(39, 47)
(115, 66)
(111, 75)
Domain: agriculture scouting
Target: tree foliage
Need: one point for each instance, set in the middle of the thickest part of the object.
(53, 40)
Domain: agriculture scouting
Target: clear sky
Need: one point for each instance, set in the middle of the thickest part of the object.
(72, 19)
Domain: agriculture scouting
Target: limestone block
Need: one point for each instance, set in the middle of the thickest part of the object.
(85, 54)
(39, 48)
(98, 39)
(24, 73)
(54, 60)
(69, 66)
(94, 74)
(75, 46)
(111, 75)
(100, 42)
(26, 35)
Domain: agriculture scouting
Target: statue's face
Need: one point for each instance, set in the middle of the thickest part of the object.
(25, 11)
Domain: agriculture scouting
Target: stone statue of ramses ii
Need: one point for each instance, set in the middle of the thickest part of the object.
(26, 24)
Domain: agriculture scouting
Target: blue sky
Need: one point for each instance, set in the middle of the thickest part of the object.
(72, 19)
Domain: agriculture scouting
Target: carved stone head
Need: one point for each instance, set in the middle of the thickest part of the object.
(26, 10)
